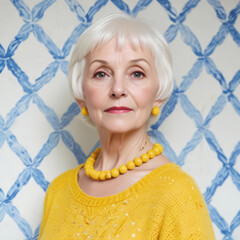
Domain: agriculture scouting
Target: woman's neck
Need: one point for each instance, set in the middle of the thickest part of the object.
(118, 149)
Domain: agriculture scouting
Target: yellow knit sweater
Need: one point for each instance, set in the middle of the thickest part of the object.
(166, 204)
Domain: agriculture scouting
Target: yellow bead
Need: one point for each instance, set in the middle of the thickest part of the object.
(155, 111)
(130, 165)
(161, 149)
(159, 146)
(108, 174)
(87, 171)
(123, 169)
(90, 163)
(156, 151)
(94, 155)
(144, 157)
(151, 154)
(137, 161)
(84, 111)
(114, 172)
(94, 174)
(88, 166)
(90, 159)
(98, 150)
(102, 175)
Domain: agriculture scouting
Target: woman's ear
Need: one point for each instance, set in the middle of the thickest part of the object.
(81, 103)
(158, 103)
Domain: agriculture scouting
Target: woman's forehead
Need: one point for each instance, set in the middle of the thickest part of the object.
(112, 49)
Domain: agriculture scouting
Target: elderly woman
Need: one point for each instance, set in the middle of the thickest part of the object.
(120, 74)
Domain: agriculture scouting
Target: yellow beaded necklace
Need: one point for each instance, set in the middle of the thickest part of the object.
(103, 175)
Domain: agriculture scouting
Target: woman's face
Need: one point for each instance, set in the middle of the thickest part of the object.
(120, 86)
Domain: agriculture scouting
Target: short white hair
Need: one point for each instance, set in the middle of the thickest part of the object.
(138, 32)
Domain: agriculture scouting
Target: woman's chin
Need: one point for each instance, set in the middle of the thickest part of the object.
(119, 126)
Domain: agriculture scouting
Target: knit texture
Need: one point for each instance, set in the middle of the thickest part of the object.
(166, 204)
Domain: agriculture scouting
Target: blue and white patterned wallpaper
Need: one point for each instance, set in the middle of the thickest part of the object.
(41, 136)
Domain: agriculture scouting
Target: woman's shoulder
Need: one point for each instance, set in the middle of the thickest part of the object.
(183, 204)
(176, 181)
(171, 172)
(62, 179)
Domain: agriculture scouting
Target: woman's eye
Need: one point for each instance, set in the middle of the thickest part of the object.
(138, 75)
(100, 75)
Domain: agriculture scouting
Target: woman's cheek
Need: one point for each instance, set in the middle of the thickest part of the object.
(146, 96)
(93, 97)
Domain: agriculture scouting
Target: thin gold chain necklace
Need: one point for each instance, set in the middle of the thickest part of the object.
(115, 172)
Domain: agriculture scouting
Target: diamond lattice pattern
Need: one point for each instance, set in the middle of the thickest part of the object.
(40, 135)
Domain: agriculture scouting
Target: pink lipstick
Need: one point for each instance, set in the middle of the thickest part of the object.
(118, 110)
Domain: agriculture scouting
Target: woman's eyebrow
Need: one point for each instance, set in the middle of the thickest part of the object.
(99, 61)
(139, 60)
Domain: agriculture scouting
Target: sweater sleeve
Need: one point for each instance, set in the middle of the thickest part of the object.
(187, 218)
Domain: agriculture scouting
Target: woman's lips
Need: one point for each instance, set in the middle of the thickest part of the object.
(118, 110)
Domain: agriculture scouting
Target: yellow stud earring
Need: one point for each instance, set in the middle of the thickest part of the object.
(84, 111)
(155, 111)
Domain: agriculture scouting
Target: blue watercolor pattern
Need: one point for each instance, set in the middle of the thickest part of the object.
(31, 25)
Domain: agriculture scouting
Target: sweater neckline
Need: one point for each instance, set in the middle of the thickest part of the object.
(80, 196)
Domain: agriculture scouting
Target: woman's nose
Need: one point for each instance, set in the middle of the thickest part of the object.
(118, 88)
